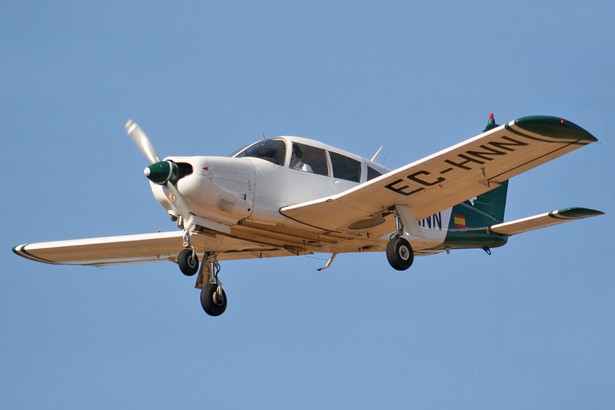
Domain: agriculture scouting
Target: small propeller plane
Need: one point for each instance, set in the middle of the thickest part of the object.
(290, 196)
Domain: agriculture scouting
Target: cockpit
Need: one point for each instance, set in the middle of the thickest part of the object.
(314, 157)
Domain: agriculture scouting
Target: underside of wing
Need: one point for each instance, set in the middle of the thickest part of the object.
(152, 247)
(448, 177)
(543, 220)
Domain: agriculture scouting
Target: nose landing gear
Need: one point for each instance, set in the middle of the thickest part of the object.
(188, 262)
(187, 259)
(213, 296)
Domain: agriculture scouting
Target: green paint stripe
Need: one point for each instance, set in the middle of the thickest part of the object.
(21, 251)
(553, 140)
(579, 213)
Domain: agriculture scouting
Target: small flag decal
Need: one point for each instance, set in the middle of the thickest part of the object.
(460, 221)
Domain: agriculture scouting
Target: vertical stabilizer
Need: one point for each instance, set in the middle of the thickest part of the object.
(492, 203)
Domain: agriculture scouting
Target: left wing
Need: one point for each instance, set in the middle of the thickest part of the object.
(543, 220)
(152, 247)
(448, 177)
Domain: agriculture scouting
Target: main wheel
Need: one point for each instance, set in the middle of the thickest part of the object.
(188, 262)
(399, 253)
(213, 303)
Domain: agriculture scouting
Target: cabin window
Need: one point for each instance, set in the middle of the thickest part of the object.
(309, 159)
(273, 150)
(345, 168)
(372, 173)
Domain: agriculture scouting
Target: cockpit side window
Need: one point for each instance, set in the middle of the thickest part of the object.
(273, 150)
(345, 168)
(372, 173)
(309, 159)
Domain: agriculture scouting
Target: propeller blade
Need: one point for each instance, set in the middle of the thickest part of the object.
(147, 149)
(141, 141)
(178, 201)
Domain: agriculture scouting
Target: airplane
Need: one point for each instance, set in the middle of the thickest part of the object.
(290, 196)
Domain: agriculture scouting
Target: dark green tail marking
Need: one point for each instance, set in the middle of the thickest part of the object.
(492, 203)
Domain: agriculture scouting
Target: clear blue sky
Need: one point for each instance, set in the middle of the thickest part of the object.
(532, 326)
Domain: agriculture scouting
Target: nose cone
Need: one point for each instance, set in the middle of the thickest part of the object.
(159, 172)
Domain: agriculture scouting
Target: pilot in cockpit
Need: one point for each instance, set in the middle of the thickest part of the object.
(296, 160)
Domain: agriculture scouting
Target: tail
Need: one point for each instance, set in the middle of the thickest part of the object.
(492, 203)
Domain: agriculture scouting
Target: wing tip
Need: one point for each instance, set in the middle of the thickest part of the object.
(575, 213)
(555, 127)
(21, 250)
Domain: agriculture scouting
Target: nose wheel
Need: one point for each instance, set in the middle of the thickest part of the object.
(213, 297)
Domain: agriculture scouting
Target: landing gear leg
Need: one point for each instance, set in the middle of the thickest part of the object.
(213, 297)
(187, 259)
(399, 251)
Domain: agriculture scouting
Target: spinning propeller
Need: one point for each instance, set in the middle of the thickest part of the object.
(164, 173)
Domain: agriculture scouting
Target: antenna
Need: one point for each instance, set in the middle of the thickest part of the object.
(377, 153)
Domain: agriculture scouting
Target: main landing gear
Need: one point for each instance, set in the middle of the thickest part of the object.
(399, 251)
(213, 297)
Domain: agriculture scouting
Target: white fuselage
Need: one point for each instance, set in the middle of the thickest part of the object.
(251, 189)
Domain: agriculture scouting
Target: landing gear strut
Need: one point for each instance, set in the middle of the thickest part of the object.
(187, 259)
(213, 297)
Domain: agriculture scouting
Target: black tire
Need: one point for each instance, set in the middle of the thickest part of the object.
(400, 254)
(188, 262)
(210, 300)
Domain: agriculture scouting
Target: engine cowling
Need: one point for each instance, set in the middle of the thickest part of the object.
(162, 172)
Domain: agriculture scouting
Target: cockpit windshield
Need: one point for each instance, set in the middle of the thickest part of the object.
(272, 150)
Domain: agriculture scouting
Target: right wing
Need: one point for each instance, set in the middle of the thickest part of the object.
(448, 177)
(152, 247)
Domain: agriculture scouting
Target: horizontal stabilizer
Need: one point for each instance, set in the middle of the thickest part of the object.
(543, 220)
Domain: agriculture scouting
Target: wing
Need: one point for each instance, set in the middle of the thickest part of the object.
(448, 177)
(153, 247)
(543, 220)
